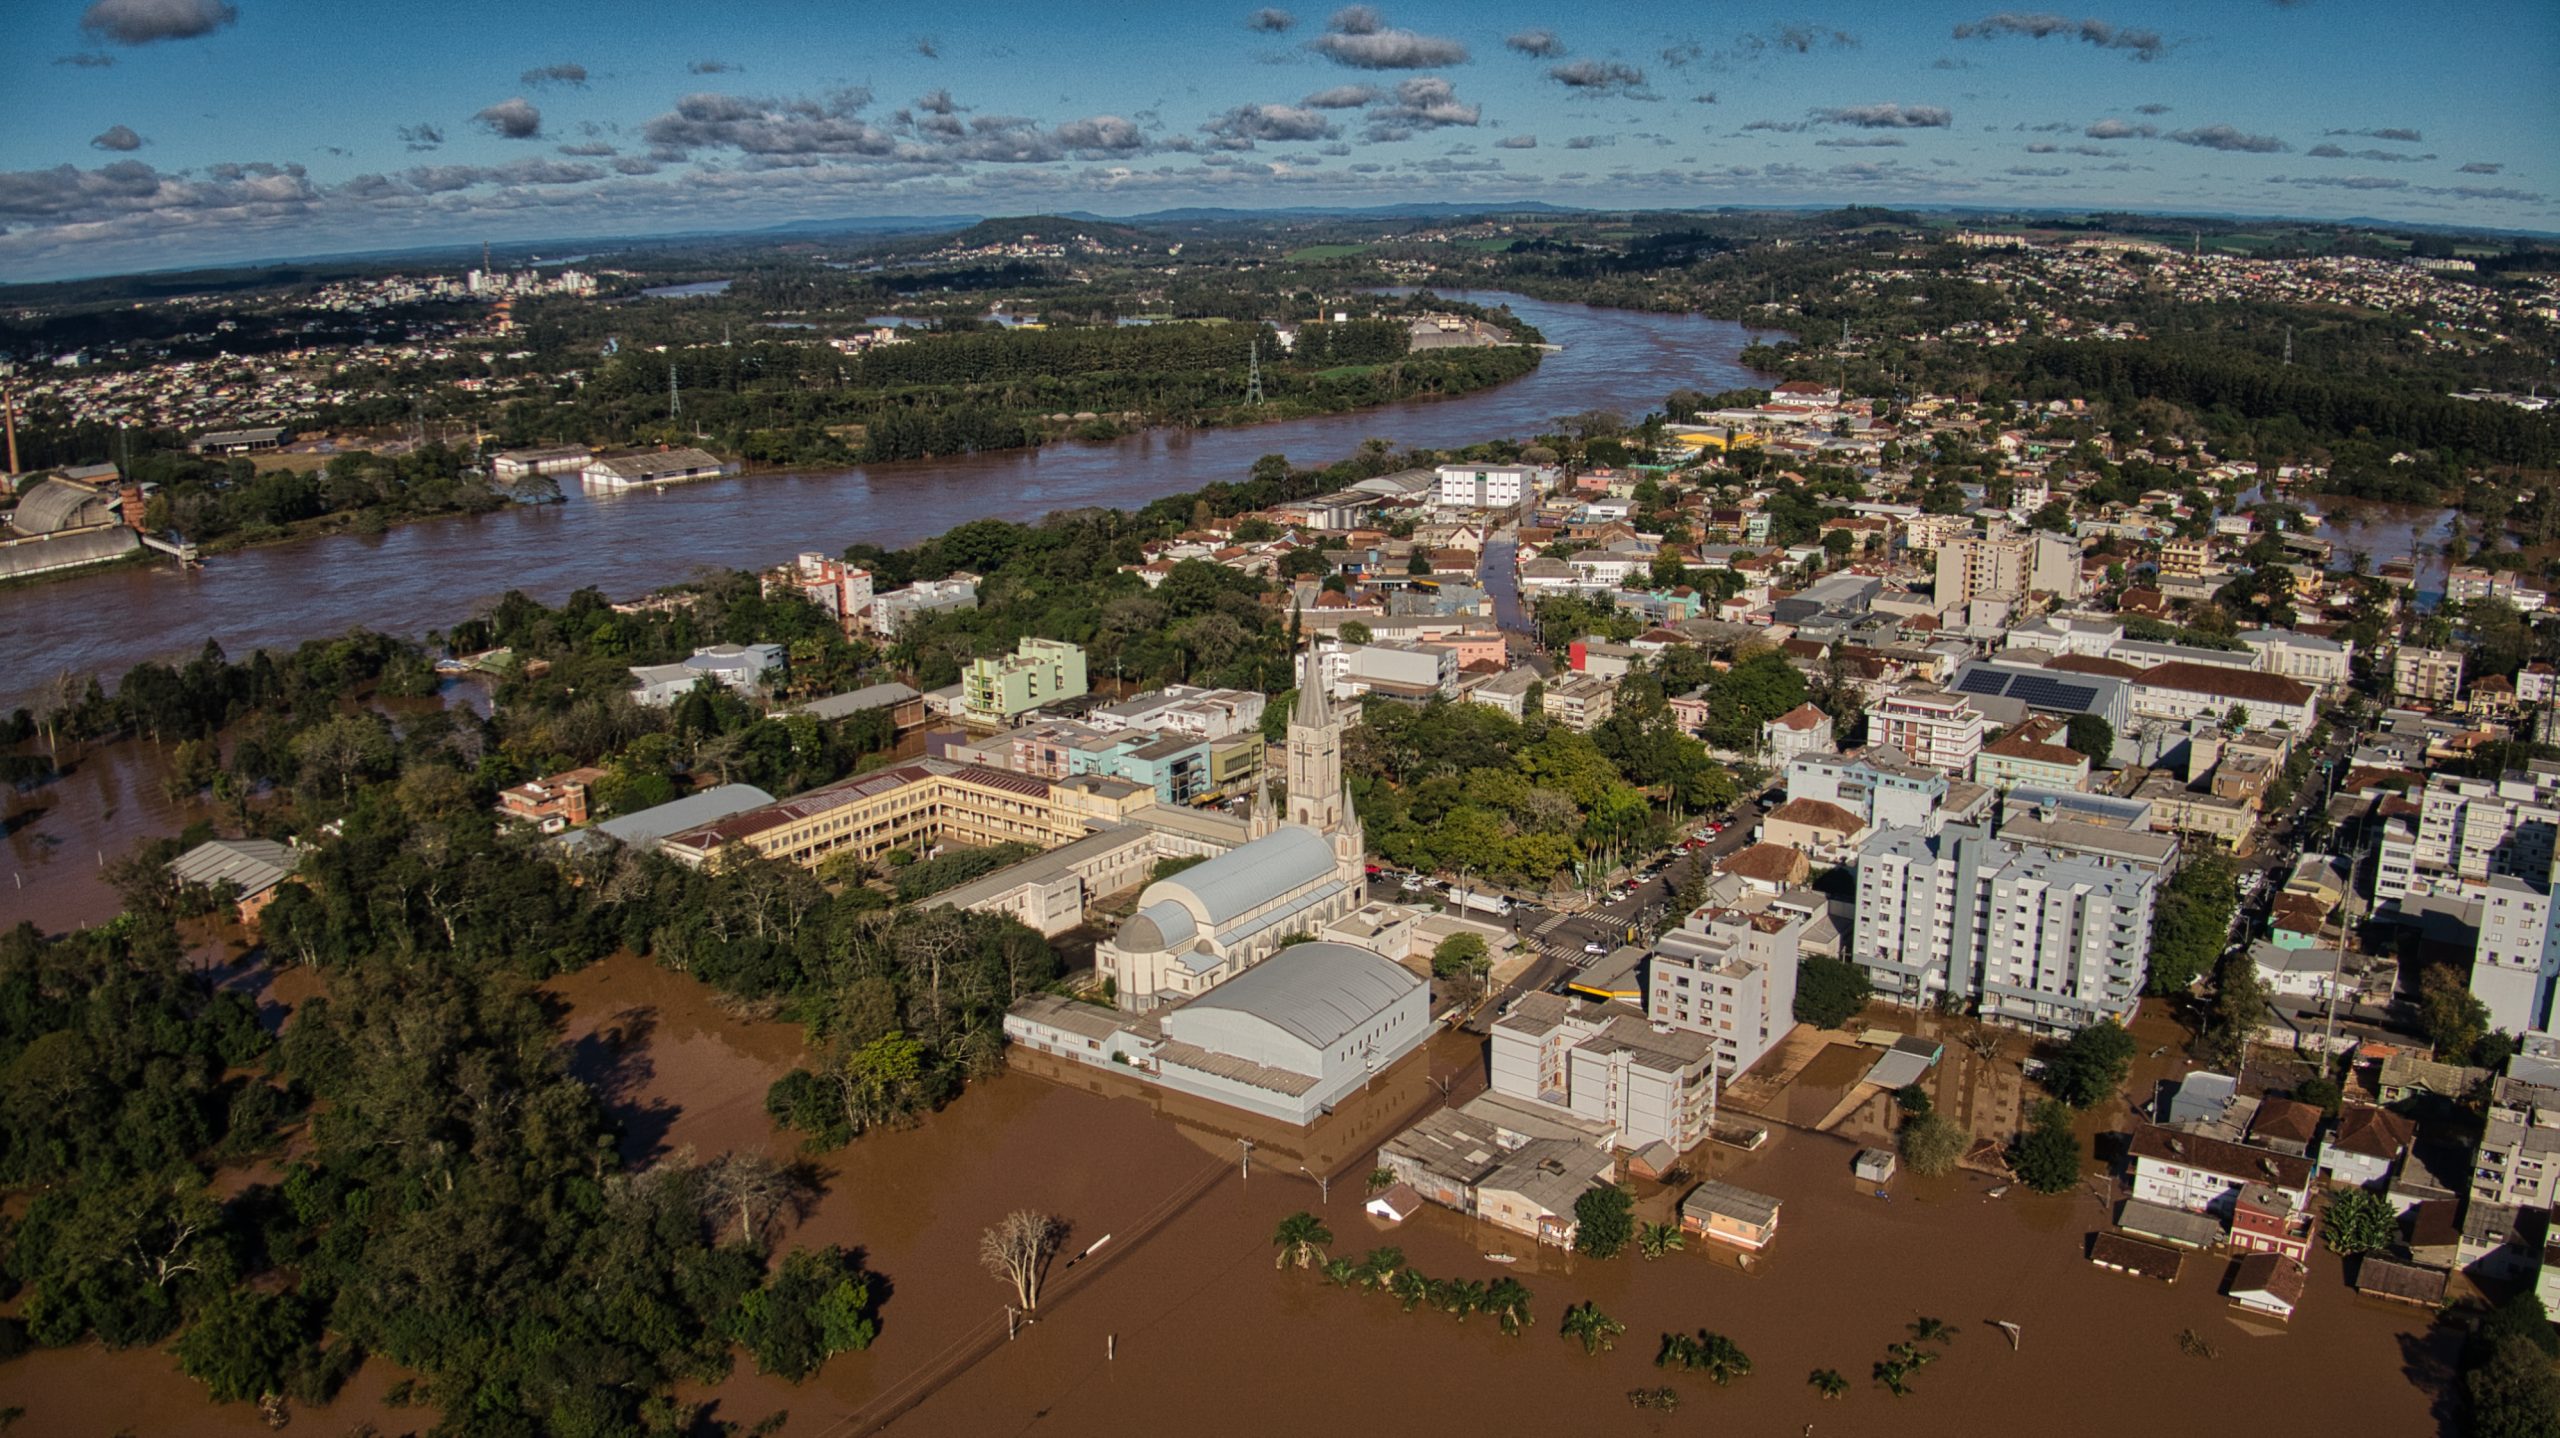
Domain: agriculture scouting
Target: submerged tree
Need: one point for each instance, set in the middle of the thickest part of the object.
(1597, 1331)
(1301, 1239)
(1018, 1251)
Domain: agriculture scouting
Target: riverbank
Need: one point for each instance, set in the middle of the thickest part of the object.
(420, 576)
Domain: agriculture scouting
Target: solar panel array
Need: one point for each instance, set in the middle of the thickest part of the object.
(2036, 691)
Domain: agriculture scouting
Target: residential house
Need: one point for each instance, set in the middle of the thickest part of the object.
(2265, 1219)
(551, 803)
(2029, 756)
(2205, 1175)
(1730, 1213)
(1801, 730)
(245, 871)
(2367, 1146)
(2268, 1284)
(743, 668)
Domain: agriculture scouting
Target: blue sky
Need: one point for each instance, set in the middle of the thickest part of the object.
(163, 133)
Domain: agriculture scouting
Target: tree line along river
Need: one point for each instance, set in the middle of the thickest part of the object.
(433, 573)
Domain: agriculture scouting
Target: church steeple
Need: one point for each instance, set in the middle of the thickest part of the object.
(1316, 796)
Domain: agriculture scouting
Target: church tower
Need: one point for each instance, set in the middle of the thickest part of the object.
(1316, 794)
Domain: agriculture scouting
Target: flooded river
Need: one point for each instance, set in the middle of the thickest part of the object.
(431, 574)
(1209, 1337)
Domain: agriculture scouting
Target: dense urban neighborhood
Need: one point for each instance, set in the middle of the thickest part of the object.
(2012, 798)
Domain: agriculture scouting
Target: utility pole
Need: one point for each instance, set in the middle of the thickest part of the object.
(1244, 1158)
(2288, 344)
(1324, 1183)
(675, 401)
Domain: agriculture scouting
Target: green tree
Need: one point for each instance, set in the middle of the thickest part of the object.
(1604, 1219)
(1507, 1299)
(1933, 1144)
(2092, 1064)
(819, 1304)
(1828, 1383)
(2454, 1021)
(1596, 1331)
(243, 1343)
(1301, 1239)
(2047, 1157)
(1461, 953)
(1829, 992)
(2509, 1387)
(2358, 1220)
(2092, 736)
(1912, 1099)
(2191, 923)
(1653, 1240)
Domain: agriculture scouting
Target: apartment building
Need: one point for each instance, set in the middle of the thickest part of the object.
(2006, 567)
(1882, 786)
(1039, 671)
(2044, 939)
(2515, 967)
(2427, 676)
(2519, 1159)
(1941, 730)
(2472, 830)
(1485, 486)
(1581, 703)
(1730, 976)
(1606, 1063)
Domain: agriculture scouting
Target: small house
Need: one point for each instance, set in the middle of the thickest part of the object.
(1396, 1204)
(2265, 1219)
(2267, 1283)
(1731, 1214)
(2174, 1226)
(247, 870)
(2401, 1282)
(2121, 1253)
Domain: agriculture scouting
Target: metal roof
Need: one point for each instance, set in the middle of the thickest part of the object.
(1161, 925)
(252, 866)
(644, 829)
(1251, 875)
(52, 505)
(1318, 992)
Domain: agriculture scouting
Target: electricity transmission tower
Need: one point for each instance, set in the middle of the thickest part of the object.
(1253, 375)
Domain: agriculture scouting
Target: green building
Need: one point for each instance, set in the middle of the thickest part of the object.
(1039, 671)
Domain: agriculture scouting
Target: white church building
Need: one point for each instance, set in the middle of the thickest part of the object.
(1199, 928)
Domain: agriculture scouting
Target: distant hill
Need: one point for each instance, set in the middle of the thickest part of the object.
(1052, 229)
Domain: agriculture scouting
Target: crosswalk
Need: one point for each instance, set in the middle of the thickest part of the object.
(1553, 923)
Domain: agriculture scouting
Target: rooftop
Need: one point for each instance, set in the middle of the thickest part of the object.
(1318, 992)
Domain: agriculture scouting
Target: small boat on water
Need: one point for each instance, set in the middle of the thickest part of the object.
(1502, 1258)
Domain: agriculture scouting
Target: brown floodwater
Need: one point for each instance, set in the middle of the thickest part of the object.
(62, 833)
(1210, 1338)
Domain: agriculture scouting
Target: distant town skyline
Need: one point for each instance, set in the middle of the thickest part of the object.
(156, 134)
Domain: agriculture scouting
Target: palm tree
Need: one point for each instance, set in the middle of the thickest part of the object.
(1912, 1355)
(1932, 1330)
(1679, 1350)
(1894, 1375)
(1597, 1330)
(1301, 1236)
(1722, 1358)
(1341, 1272)
(1656, 1239)
(1410, 1288)
(1508, 1301)
(1828, 1382)
(1462, 1296)
(1381, 1266)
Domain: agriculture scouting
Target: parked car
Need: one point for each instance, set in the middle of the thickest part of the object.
(1595, 947)
(1411, 883)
